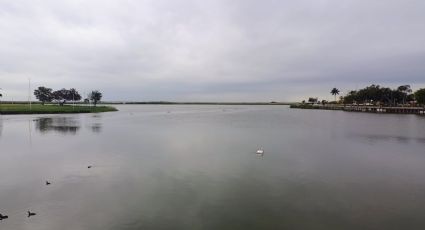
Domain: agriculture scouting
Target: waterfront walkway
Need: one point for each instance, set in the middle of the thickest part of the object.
(382, 109)
(366, 108)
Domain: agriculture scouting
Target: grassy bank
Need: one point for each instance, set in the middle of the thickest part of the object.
(310, 106)
(51, 109)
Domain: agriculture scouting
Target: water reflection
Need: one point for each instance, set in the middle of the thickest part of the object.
(64, 125)
(387, 138)
(96, 127)
(199, 170)
(1, 125)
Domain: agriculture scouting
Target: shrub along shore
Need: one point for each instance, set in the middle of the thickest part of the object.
(52, 109)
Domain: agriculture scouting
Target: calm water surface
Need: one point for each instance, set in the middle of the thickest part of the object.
(195, 167)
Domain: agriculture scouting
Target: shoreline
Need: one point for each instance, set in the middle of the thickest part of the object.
(364, 108)
(24, 109)
(197, 103)
(158, 103)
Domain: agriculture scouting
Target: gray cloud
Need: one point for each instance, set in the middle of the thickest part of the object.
(210, 50)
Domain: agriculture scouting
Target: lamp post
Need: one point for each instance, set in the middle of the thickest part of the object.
(29, 92)
(1, 106)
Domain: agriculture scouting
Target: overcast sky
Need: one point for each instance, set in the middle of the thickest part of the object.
(210, 50)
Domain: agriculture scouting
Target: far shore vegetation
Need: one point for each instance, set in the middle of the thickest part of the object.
(373, 95)
(372, 99)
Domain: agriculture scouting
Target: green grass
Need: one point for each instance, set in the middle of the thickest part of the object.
(303, 106)
(51, 109)
(323, 107)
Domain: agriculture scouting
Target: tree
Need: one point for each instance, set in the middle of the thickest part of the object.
(335, 92)
(351, 97)
(64, 95)
(95, 96)
(420, 96)
(405, 90)
(397, 97)
(378, 94)
(43, 94)
(60, 96)
(313, 100)
(73, 95)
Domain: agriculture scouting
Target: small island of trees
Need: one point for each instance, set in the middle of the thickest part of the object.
(55, 101)
(44, 94)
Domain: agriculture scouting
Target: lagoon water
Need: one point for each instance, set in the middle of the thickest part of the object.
(196, 167)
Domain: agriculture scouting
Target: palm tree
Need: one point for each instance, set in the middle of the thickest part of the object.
(335, 92)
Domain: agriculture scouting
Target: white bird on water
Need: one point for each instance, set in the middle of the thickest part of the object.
(260, 151)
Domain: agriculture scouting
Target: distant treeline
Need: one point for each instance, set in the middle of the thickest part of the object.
(385, 95)
(375, 94)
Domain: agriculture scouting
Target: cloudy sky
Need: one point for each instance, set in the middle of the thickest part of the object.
(210, 50)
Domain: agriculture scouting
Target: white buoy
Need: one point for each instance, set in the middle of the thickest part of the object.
(260, 151)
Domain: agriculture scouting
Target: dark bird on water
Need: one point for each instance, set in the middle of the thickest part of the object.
(2, 217)
(89, 167)
(31, 214)
(47, 183)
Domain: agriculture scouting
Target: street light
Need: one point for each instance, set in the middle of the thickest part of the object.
(29, 92)
(1, 95)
